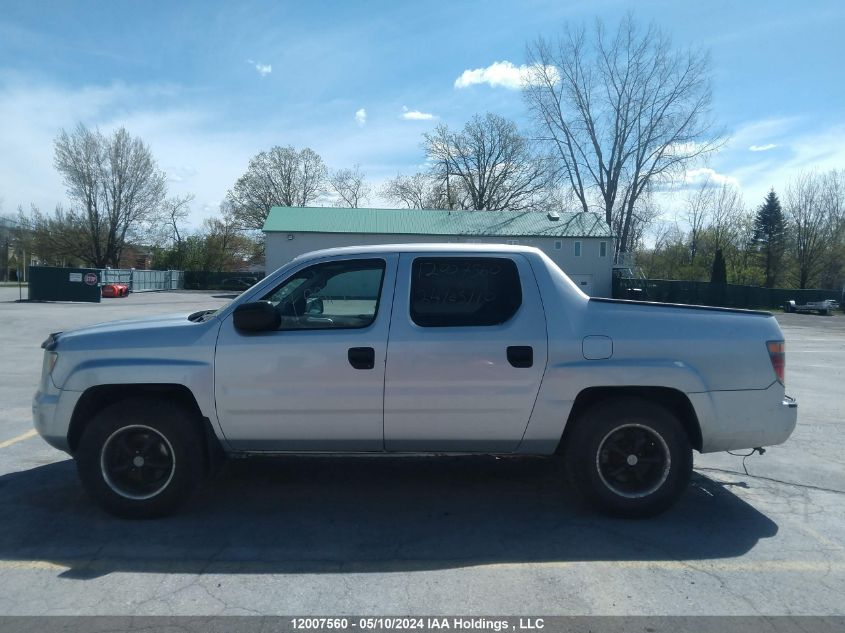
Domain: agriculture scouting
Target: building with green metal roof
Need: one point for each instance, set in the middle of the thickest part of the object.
(580, 243)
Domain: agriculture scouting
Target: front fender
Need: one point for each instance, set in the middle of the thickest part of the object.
(196, 375)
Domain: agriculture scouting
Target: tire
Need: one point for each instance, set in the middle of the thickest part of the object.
(646, 482)
(167, 440)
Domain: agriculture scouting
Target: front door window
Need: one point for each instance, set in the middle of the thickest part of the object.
(334, 295)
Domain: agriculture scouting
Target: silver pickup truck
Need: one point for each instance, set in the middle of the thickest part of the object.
(410, 349)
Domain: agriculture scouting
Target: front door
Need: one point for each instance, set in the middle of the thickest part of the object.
(317, 383)
(466, 354)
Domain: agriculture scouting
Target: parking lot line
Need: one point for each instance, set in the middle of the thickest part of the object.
(19, 438)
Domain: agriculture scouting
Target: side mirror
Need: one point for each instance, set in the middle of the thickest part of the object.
(257, 316)
(314, 306)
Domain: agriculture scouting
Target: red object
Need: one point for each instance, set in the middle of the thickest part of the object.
(114, 290)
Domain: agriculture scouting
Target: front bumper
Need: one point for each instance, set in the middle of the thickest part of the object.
(51, 413)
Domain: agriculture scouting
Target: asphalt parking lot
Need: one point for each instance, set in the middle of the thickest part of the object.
(424, 536)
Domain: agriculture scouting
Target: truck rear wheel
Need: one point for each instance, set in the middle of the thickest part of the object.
(628, 457)
(140, 457)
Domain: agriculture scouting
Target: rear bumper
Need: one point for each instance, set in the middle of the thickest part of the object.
(733, 420)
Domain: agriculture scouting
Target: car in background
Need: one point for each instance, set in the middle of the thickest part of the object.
(111, 291)
(822, 307)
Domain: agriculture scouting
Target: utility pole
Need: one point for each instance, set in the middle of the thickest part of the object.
(448, 190)
(6, 259)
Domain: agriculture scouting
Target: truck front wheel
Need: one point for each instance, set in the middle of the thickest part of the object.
(628, 457)
(140, 457)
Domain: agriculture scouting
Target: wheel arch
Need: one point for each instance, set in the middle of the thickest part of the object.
(673, 400)
(95, 399)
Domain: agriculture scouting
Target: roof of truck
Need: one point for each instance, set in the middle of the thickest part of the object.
(420, 248)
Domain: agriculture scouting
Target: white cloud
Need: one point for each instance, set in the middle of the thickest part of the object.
(504, 74)
(200, 146)
(416, 115)
(700, 175)
(773, 128)
(263, 69)
(361, 117)
(188, 142)
(762, 148)
(820, 148)
(684, 149)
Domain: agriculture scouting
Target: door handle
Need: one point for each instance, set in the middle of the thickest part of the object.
(521, 355)
(362, 357)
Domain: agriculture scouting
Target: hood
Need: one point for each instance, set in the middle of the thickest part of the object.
(128, 333)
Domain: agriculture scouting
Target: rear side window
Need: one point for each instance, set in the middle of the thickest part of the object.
(464, 291)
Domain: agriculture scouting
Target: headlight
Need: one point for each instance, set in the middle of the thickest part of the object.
(52, 357)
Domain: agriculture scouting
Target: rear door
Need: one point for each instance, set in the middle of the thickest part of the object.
(466, 353)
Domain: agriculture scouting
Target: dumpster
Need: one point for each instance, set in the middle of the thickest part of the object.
(51, 283)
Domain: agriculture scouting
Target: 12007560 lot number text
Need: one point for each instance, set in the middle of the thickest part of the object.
(362, 623)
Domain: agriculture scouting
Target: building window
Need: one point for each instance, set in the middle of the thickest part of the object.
(558, 245)
(513, 242)
(602, 249)
(577, 249)
(464, 291)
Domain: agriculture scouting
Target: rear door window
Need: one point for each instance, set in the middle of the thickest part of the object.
(464, 291)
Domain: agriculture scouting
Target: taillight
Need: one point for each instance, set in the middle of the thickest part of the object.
(777, 354)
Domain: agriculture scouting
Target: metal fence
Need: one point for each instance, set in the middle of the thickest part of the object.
(144, 280)
(715, 294)
(207, 280)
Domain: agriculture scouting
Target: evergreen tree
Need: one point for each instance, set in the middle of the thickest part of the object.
(769, 238)
(719, 275)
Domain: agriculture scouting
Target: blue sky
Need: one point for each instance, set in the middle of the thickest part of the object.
(208, 85)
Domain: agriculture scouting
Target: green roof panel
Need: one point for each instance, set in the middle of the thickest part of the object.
(428, 222)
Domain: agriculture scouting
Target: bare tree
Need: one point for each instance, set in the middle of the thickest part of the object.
(350, 186)
(699, 204)
(643, 216)
(815, 207)
(420, 191)
(490, 161)
(173, 214)
(60, 239)
(727, 213)
(7, 239)
(621, 112)
(224, 246)
(281, 177)
(114, 183)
